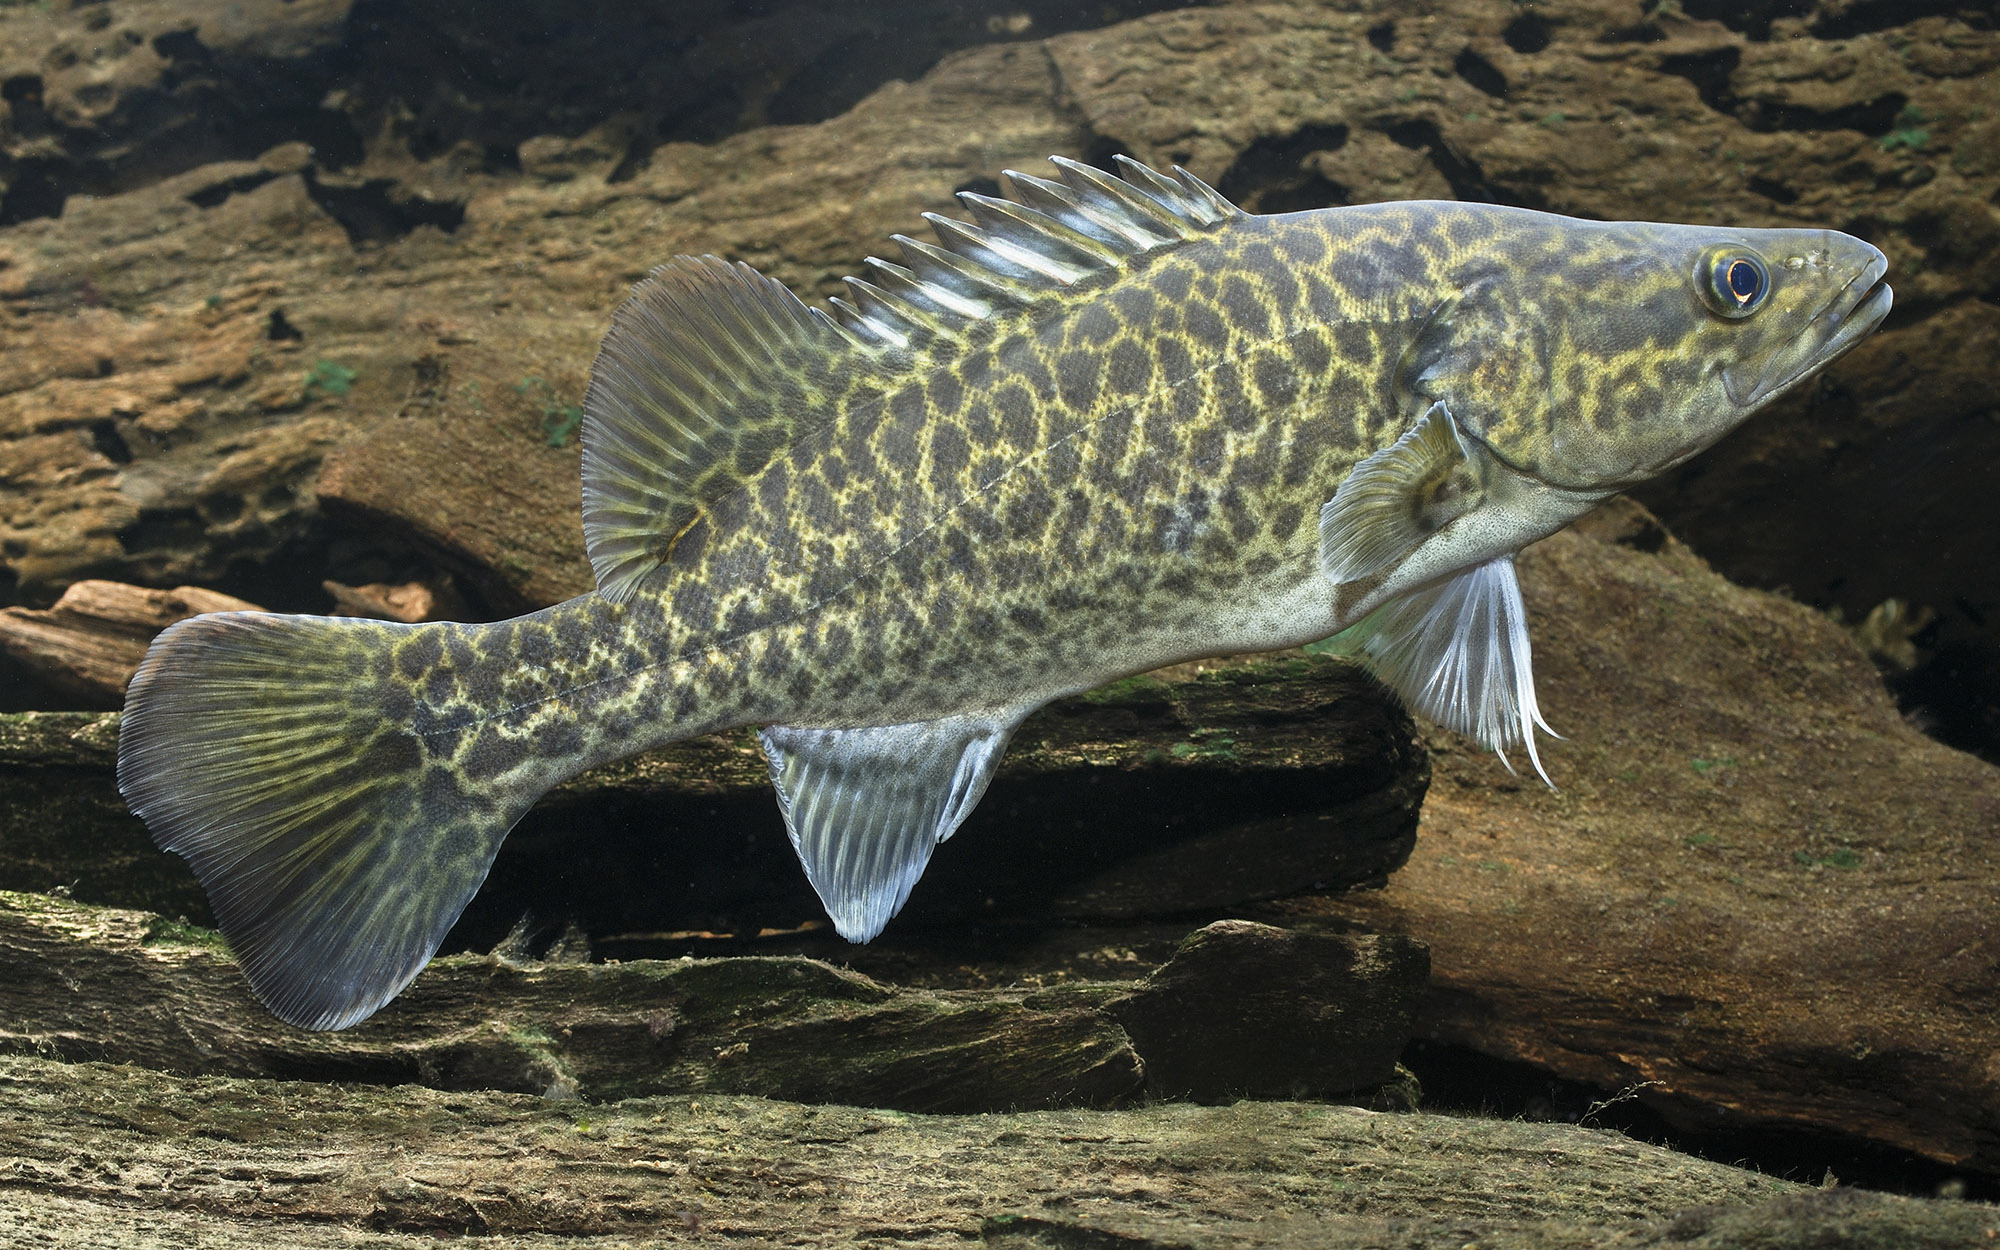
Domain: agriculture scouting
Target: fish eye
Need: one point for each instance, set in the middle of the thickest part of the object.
(1736, 282)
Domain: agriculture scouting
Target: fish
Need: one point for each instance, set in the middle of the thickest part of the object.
(1107, 423)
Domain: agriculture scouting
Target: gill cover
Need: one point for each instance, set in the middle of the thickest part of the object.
(1595, 355)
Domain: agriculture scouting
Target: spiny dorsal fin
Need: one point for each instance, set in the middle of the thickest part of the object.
(710, 368)
(1015, 251)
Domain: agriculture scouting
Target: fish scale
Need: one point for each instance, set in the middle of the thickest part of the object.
(1115, 424)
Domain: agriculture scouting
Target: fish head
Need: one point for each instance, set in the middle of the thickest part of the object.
(1591, 356)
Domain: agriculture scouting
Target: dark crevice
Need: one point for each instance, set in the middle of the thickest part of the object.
(38, 189)
(838, 78)
(23, 94)
(1710, 72)
(158, 529)
(1746, 17)
(110, 444)
(278, 328)
(1480, 72)
(1953, 694)
(1382, 37)
(1637, 32)
(373, 212)
(183, 47)
(1458, 1079)
(209, 197)
(1870, 16)
(1099, 151)
(1871, 117)
(1772, 190)
(1528, 33)
(1754, 18)
(1461, 173)
(1271, 175)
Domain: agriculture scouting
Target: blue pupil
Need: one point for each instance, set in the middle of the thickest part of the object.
(1743, 279)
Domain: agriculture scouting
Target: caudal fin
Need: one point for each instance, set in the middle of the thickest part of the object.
(294, 763)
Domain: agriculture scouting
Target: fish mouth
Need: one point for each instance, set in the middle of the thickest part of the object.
(1852, 314)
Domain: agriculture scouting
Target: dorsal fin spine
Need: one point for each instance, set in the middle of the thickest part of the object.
(880, 308)
(1005, 256)
(1054, 237)
(977, 292)
(911, 298)
(1060, 204)
(879, 330)
(1179, 195)
(1141, 213)
(1216, 202)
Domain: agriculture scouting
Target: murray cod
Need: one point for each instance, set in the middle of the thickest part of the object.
(1112, 423)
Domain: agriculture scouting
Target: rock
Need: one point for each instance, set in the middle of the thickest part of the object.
(107, 1154)
(89, 644)
(1757, 891)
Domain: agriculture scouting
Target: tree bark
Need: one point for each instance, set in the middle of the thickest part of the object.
(1284, 1013)
(101, 1155)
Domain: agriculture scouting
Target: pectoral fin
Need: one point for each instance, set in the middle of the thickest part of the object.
(1393, 501)
(1458, 654)
(865, 807)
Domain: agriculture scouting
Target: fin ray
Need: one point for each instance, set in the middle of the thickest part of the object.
(1396, 498)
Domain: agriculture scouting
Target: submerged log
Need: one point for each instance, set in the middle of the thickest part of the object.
(89, 644)
(106, 1155)
(1189, 794)
(1328, 1015)
(1759, 895)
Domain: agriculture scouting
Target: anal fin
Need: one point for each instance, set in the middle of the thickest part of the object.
(865, 807)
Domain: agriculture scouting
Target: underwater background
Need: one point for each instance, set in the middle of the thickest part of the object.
(300, 299)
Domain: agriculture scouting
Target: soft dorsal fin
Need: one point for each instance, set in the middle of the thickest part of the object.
(710, 368)
(700, 379)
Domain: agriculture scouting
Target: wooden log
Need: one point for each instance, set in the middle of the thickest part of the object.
(1759, 895)
(1185, 795)
(90, 643)
(1330, 1016)
(99, 1154)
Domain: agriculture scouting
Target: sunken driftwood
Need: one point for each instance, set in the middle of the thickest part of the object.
(89, 644)
(107, 1155)
(1289, 1013)
(1177, 797)
(1759, 896)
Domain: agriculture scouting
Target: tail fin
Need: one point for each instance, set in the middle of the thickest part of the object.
(280, 756)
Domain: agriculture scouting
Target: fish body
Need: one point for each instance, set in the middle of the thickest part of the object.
(1114, 424)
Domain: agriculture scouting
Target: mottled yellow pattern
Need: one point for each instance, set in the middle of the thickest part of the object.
(1031, 483)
